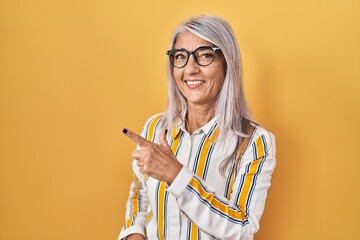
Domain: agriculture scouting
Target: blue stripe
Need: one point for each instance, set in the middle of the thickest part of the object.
(197, 156)
(265, 144)
(254, 181)
(157, 205)
(156, 129)
(180, 143)
(229, 178)
(245, 148)
(146, 130)
(242, 181)
(207, 161)
(212, 130)
(139, 198)
(254, 151)
(217, 211)
(253, 185)
(188, 230)
(165, 214)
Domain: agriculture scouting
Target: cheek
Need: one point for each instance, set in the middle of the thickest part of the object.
(218, 76)
(177, 74)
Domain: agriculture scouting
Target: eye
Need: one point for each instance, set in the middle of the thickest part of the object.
(179, 56)
(205, 54)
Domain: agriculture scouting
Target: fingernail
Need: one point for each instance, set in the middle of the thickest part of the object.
(125, 130)
(165, 131)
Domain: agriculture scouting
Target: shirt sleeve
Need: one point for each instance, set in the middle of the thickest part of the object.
(237, 217)
(137, 203)
(136, 207)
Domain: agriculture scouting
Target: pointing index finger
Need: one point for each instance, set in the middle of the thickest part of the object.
(142, 142)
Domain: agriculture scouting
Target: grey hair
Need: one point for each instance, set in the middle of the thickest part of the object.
(231, 108)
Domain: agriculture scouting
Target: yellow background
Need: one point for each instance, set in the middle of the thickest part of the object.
(74, 73)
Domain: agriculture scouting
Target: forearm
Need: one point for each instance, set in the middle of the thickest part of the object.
(238, 216)
(212, 214)
(136, 207)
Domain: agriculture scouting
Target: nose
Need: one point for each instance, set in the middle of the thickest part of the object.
(191, 66)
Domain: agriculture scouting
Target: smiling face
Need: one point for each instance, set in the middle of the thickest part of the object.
(200, 85)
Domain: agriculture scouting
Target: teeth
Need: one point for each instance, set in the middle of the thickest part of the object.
(193, 82)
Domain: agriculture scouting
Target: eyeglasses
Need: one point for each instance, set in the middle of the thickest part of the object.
(203, 56)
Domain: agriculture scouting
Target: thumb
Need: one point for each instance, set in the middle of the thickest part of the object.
(162, 138)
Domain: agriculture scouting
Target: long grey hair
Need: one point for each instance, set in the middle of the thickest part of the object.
(231, 109)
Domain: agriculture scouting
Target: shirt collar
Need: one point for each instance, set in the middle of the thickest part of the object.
(208, 128)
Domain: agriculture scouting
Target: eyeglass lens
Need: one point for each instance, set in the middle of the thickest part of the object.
(202, 55)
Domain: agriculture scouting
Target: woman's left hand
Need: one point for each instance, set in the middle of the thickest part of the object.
(155, 160)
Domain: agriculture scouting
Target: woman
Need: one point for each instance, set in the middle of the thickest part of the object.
(203, 168)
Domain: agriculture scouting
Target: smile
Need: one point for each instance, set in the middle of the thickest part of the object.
(194, 83)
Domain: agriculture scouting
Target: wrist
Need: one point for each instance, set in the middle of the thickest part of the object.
(172, 173)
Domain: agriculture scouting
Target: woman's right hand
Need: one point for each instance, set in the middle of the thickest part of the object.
(135, 236)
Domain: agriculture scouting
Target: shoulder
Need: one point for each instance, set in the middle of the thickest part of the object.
(153, 126)
(262, 140)
(259, 131)
(156, 118)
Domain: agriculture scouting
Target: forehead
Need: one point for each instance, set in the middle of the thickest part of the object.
(190, 41)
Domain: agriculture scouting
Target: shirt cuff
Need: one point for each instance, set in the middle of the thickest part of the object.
(131, 230)
(180, 183)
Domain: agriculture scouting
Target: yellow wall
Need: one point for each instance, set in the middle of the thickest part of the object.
(74, 73)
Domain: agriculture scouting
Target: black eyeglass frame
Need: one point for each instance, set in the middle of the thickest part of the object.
(169, 53)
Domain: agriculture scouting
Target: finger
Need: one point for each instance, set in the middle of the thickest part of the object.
(142, 142)
(136, 154)
(162, 138)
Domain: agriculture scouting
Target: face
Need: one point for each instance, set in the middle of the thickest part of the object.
(200, 85)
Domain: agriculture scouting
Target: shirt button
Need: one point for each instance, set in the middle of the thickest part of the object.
(197, 132)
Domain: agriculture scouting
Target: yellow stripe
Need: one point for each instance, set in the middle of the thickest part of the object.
(214, 135)
(202, 159)
(249, 177)
(215, 202)
(194, 232)
(161, 210)
(134, 203)
(162, 191)
(260, 147)
(200, 172)
(150, 134)
(176, 140)
(148, 217)
(151, 128)
(238, 159)
(147, 220)
(204, 152)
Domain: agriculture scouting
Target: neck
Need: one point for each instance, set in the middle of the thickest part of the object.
(198, 116)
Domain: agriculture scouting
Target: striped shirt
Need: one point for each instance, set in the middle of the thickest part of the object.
(202, 203)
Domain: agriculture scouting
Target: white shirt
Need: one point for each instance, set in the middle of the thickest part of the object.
(201, 203)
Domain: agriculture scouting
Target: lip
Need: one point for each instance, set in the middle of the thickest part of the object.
(194, 83)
